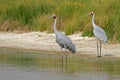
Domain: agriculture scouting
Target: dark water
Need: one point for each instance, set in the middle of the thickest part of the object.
(34, 65)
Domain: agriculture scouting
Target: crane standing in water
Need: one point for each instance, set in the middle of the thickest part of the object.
(62, 40)
(99, 34)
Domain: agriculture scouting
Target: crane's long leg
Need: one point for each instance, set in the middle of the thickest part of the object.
(97, 49)
(66, 61)
(65, 56)
(62, 58)
(100, 47)
(62, 61)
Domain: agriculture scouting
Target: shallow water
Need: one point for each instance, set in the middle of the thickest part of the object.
(34, 65)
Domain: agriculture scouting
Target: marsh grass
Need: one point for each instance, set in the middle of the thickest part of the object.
(72, 15)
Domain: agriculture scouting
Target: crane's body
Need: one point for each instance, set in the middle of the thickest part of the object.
(99, 33)
(63, 40)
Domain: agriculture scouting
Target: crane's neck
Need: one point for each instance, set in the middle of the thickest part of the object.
(93, 23)
(55, 30)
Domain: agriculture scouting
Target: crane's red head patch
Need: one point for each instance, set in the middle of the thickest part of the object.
(53, 16)
(91, 13)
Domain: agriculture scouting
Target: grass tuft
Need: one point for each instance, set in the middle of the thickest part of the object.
(72, 15)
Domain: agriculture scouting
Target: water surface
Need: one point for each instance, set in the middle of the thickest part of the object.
(36, 65)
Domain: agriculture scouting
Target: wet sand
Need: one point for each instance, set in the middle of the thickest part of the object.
(46, 42)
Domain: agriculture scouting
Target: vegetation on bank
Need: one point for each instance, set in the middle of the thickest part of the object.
(34, 15)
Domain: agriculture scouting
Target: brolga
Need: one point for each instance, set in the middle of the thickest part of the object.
(62, 40)
(99, 33)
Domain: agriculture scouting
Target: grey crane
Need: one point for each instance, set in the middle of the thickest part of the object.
(62, 40)
(99, 33)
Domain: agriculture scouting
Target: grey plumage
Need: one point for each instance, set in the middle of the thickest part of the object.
(63, 40)
(99, 33)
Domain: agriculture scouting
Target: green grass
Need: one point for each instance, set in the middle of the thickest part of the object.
(72, 15)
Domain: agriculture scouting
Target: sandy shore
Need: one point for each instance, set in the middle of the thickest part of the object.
(46, 42)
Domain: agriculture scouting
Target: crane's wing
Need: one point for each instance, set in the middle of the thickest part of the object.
(100, 33)
(70, 46)
(65, 42)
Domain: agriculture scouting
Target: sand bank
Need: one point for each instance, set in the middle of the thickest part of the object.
(44, 41)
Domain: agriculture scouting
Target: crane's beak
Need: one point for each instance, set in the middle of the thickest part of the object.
(89, 13)
(50, 17)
